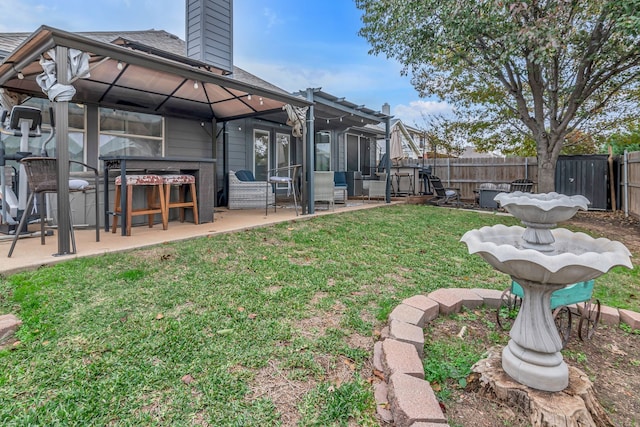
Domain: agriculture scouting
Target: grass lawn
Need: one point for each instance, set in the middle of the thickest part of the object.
(208, 331)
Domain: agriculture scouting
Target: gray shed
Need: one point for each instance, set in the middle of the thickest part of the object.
(587, 175)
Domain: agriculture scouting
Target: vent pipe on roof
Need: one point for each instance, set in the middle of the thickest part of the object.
(386, 109)
(209, 32)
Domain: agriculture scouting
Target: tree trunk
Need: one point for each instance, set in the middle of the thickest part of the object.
(546, 175)
(548, 148)
(575, 406)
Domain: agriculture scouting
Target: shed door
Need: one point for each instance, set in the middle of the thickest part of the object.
(585, 175)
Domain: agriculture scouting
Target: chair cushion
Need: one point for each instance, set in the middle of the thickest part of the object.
(178, 179)
(78, 184)
(245, 175)
(141, 180)
(279, 179)
(340, 179)
(450, 193)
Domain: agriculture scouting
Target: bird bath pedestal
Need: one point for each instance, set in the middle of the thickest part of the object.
(532, 356)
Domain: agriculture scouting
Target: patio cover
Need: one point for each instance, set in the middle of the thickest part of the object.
(134, 77)
(141, 78)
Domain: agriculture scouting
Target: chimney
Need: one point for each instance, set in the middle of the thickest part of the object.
(209, 32)
(386, 109)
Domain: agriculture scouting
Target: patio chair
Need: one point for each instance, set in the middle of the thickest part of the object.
(340, 187)
(443, 195)
(323, 188)
(184, 183)
(524, 185)
(377, 188)
(42, 176)
(153, 186)
(287, 175)
(247, 193)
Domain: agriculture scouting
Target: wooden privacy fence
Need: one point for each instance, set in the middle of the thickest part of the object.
(632, 184)
(468, 173)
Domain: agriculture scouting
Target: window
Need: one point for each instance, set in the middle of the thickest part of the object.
(76, 133)
(323, 151)
(358, 154)
(130, 134)
(260, 154)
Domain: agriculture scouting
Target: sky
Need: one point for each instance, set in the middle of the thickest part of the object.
(290, 43)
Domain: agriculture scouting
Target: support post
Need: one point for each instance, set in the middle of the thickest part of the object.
(387, 166)
(61, 110)
(308, 166)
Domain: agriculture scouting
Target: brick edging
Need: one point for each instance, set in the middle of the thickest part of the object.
(9, 324)
(403, 396)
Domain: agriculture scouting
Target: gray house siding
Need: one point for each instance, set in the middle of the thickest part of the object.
(187, 138)
(239, 145)
(341, 158)
(209, 32)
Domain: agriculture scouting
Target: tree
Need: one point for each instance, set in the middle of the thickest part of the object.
(628, 140)
(442, 134)
(540, 69)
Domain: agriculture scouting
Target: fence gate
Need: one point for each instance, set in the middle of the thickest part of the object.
(584, 175)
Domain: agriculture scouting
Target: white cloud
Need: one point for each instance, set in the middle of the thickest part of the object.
(23, 17)
(272, 18)
(412, 114)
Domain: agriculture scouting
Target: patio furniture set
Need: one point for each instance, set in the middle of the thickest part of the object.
(330, 187)
(157, 176)
(156, 187)
(42, 173)
(484, 195)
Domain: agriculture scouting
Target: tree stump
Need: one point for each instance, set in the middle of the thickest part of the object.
(575, 406)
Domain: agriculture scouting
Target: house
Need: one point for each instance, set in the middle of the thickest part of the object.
(470, 152)
(412, 140)
(148, 93)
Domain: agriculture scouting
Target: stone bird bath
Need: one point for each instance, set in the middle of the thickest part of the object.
(542, 260)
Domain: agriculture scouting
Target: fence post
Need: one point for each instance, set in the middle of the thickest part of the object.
(626, 184)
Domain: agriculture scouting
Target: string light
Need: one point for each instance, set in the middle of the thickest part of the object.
(20, 75)
(330, 119)
(120, 65)
(249, 97)
(261, 102)
(195, 85)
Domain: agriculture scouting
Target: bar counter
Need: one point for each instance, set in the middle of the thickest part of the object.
(202, 169)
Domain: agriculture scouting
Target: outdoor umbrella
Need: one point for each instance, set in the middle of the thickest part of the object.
(396, 145)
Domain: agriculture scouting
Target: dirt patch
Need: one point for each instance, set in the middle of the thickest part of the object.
(612, 225)
(611, 359)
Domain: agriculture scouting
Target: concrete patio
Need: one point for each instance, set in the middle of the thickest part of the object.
(30, 254)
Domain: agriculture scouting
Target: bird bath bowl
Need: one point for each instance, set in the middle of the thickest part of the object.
(532, 357)
(540, 213)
